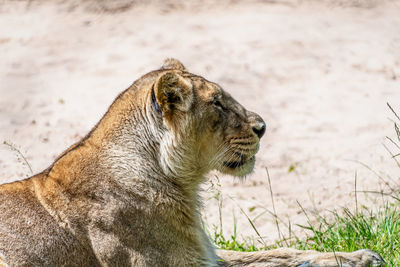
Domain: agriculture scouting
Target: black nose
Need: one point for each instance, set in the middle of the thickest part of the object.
(259, 128)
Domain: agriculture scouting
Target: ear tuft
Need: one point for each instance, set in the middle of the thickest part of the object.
(173, 64)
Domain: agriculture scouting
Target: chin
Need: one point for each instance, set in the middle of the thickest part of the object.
(239, 169)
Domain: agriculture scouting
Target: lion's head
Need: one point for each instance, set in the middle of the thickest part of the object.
(200, 126)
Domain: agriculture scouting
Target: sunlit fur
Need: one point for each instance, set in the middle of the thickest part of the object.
(128, 193)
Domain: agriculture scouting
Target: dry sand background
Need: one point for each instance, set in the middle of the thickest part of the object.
(319, 73)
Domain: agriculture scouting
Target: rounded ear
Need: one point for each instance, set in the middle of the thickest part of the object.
(173, 64)
(173, 93)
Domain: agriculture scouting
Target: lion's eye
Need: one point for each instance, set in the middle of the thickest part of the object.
(218, 104)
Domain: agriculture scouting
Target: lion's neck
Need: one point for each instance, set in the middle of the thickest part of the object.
(140, 174)
(132, 163)
(128, 167)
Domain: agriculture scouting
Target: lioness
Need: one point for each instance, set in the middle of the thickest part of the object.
(127, 193)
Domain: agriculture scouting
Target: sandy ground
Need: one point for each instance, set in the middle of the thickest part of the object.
(319, 73)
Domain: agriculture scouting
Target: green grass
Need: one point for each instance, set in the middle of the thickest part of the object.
(343, 231)
(232, 242)
(347, 231)
(376, 228)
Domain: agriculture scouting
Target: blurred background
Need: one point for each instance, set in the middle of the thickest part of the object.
(319, 72)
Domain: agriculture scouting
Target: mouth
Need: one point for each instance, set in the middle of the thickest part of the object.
(237, 164)
(233, 164)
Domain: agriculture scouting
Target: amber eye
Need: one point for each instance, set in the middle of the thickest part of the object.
(218, 104)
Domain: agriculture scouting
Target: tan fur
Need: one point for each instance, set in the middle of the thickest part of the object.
(127, 193)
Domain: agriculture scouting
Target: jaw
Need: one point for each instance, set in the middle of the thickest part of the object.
(239, 168)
